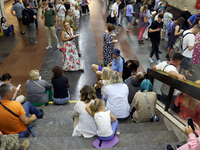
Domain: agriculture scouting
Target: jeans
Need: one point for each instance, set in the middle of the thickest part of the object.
(155, 48)
(61, 101)
(10, 30)
(114, 129)
(141, 33)
(116, 25)
(50, 30)
(30, 29)
(36, 21)
(122, 15)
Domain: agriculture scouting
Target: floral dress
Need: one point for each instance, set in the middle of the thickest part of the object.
(70, 58)
(196, 52)
(108, 48)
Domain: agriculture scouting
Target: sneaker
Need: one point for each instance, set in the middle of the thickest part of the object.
(58, 45)
(158, 61)
(119, 25)
(114, 34)
(34, 42)
(26, 144)
(150, 59)
(40, 117)
(88, 13)
(82, 14)
(48, 47)
(159, 52)
(169, 147)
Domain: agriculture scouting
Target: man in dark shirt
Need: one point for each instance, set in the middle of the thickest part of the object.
(30, 25)
(154, 35)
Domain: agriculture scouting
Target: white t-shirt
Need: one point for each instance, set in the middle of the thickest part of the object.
(104, 84)
(188, 40)
(72, 2)
(61, 9)
(103, 122)
(165, 67)
(115, 7)
(117, 99)
(77, 13)
(4, 26)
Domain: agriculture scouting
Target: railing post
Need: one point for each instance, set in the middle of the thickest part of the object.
(169, 98)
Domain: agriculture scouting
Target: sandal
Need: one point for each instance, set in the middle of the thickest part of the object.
(140, 42)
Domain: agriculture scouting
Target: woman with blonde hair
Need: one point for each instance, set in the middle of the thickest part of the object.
(117, 97)
(36, 88)
(84, 124)
(70, 59)
(60, 9)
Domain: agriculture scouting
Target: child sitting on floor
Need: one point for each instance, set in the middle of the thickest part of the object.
(107, 124)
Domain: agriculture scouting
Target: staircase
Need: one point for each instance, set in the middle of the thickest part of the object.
(54, 131)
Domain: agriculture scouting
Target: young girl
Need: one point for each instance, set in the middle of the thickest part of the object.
(107, 124)
(8, 29)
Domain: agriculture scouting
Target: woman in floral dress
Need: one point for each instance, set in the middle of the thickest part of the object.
(196, 53)
(70, 59)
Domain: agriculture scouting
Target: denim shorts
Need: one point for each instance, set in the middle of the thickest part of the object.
(185, 64)
(129, 18)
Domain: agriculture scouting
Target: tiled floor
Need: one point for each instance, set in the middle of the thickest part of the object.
(18, 58)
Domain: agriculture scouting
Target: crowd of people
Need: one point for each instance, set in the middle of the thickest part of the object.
(124, 92)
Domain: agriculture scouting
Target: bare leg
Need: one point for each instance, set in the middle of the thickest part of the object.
(95, 69)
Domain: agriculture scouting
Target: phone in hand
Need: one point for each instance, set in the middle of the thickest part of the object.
(190, 123)
(115, 40)
(18, 87)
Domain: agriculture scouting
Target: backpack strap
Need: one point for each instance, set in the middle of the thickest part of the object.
(183, 38)
(10, 111)
(167, 65)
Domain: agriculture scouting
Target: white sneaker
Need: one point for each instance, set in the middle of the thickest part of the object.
(150, 59)
(158, 61)
(48, 47)
(113, 34)
(58, 45)
(117, 33)
(82, 14)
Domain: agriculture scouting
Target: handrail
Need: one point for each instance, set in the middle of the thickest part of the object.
(186, 87)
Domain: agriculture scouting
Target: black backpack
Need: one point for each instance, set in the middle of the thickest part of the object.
(26, 17)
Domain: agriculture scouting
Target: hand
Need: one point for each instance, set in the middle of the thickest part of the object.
(72, 36)
(188, 130)
(181, 77)
(114, 41)
(158, 29)
(1, 134)
(196, 127)
(33, 117)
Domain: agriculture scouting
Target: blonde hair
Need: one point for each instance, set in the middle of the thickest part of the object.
(44, 3)
(63, 25)
(96, 105)
(34, 74)
(76, 7)
(87, 93)
(115, 78)
(106, 73)
(61, 2)
(143, 8)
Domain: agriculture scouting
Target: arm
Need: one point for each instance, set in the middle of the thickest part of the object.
(176, 75)
(115, 14)
(154, 68)
(76, 19)
(154, 30)
(12, 12)
(145, 19)
(66, 39)
(176, 31)
(192, 141)
(15, 94)
(27, 120)
(113, 118)
(43, 12)
(89, 110)
(189, 22)
(34, 16)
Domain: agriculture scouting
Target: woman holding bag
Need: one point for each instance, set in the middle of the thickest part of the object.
(70, 59)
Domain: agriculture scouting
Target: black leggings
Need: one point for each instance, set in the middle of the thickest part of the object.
(155, 48)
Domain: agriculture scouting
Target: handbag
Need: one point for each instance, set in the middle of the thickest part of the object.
(62, 49)
(155, 118)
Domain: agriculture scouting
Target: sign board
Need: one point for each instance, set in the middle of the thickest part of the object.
(197, 4)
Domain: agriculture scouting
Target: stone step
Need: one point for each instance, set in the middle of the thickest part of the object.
(126, 140)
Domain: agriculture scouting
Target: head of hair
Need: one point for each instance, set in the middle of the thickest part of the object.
(44, 3)
(27, 4)
(177, 56)
(6, 89)
(196, 22)
(169, 9)
(106, 73)
(197, 26)
(5, 77)
(160, 16)
(133, 65)
(2, 20)
(76, 7)
(146, 86)
(180, 21)
(115, 77)
(160, 10)
(69, 10)
(111, 27)
(143, 8)
(141, 76)
(34, 74)
(57, 72)
(87, 93)
(96, 105)
(63, 25)
(138, 1)
(61, 2)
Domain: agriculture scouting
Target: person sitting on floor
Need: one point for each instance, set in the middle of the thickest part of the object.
(60, 86)
(133, 83)
(107, 124)
(36, 88)
(193, 142)
(140, 112)
(84, 124)
(117, 97)
(6, 78)
(14, 116)
(130, 67)
(116, 64)
(7, 29)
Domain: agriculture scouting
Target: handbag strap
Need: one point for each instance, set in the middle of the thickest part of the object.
(6, 108)
(39, 85)
(106, 82)
(148, 104)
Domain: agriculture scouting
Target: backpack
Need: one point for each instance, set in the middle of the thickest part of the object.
(25, 17)
(179, 43)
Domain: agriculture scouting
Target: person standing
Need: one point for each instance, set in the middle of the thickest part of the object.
(192, 19)
(34, 6)
(129, 14)
(16, 11)
(61, 13)
(49, 24)
(154, 34)
(186, 15)
(28, 20)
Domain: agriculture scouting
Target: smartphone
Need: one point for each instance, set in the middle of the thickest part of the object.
(190, 123)
(18, 87)
(116, 40)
